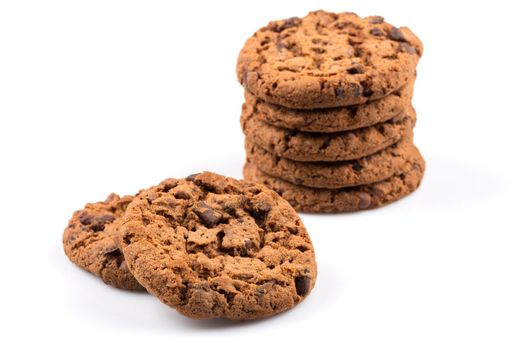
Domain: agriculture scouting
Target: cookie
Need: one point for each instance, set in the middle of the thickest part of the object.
(90, 241)
(315, 200)
(324, 147)
(372, 168)
(211, 246)
(331, 120)
(327, 60)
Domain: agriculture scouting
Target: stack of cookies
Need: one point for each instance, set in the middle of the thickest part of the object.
(328, 118)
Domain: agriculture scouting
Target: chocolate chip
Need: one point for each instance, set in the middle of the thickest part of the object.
(228, 295)
(341, 25)
(357, 69)
(259, 211)
(265, 41)
(352, 111)
(302, 285)
(192, 177)
(406, 47)
(262, 209)
(209, 217)
(97, 227)
(376, 31)
(287, 23)
(376, 20)
(168, 185)
(86, 219)
(396, 34)
(364, 200)
(181, 194)
(356, 165)
(229, 209)
(367, 91)
(98, 223)
(105, 219)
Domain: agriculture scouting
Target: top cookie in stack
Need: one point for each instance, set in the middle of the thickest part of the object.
(328, 117)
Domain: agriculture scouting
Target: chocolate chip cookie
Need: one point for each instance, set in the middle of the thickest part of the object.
(327, 60)
(211, 246)
(372, 168)
(324, 147)
(90, 241)
(315, 200)
(330, 120)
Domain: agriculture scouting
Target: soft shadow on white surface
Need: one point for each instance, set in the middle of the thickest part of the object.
(447, 183)
(85, 294)
(451, 182)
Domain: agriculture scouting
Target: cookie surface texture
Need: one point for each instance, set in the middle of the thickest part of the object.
(327, 60)
(211, 246)
(315, 200)
(90, 241)
(369, 169)
(330, 120)
(324, 147)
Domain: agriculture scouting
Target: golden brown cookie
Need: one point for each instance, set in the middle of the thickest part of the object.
(329, 120)
(212, 246)
(327, 60)
(90, 241)
(369, 169)
(316, 200)
(347, 145)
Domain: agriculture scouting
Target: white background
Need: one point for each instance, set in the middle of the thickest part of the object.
(102, 96)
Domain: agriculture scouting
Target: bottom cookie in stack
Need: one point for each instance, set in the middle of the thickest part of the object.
(317, 200)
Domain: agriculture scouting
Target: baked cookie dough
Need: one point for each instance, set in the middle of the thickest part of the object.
(212, 246)
(327, 60)
(324, 147)
(90, 241)
(331, 119)
(315, 200)
(372, 168)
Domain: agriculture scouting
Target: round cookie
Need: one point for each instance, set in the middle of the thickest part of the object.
(369, 169)
(212, 246)
(90, 241)
(315, 200)
(331, 119)
(327, 60)
(324, 147)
